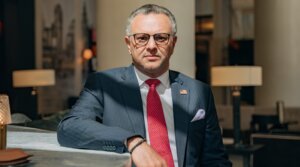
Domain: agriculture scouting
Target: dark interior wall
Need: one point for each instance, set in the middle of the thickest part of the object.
(17, 52)
(2, 58)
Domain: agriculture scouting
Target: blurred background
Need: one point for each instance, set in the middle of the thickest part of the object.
(62, 41)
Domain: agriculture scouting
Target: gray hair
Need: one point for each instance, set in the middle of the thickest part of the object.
(151, 8)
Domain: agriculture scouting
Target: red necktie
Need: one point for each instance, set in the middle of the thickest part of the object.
(157, 128)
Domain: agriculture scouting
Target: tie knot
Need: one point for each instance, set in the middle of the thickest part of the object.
(153, 82)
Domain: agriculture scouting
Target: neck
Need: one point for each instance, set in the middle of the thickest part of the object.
(152, 73)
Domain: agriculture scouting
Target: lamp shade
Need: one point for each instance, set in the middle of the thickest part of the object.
(5, 117)
(33, 78)
(236, 76)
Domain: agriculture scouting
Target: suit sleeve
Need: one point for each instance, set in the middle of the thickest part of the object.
(83, 127)
(214, 154)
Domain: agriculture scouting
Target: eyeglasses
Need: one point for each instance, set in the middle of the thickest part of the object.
(142, 39)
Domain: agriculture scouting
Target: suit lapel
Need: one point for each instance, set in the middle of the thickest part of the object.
(133, 101)
(180, 97)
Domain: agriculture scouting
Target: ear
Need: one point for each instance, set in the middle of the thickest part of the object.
(173, 44)
(174, 41)
(127, 41)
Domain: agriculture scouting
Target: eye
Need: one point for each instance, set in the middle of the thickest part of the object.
(161, 37)
(142, 38)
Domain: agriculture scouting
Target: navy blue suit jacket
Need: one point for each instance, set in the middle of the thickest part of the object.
(109, 111)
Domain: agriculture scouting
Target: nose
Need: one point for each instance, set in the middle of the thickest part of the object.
(151, 45)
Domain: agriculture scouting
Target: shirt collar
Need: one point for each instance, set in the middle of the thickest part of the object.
(164, 78)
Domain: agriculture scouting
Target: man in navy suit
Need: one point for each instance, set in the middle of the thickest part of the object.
(111, 113)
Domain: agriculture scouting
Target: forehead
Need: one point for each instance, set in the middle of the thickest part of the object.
(151, 23)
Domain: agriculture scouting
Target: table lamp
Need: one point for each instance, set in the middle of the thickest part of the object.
(236, 77)
(33, 78)
(5, 119)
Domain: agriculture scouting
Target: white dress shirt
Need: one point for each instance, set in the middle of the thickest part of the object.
(165, 94)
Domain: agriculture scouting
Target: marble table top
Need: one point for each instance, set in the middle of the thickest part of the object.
(47, 152)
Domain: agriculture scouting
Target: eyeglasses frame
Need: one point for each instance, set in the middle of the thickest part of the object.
(169, 35)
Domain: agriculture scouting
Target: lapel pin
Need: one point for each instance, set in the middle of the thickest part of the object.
(183, 92)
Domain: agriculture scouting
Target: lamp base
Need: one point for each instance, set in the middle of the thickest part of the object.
(3, 131)
(235, 91)
(239, 145)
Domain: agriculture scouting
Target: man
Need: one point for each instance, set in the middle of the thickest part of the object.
(162, 117)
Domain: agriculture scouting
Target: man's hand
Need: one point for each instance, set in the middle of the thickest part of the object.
(144, 155)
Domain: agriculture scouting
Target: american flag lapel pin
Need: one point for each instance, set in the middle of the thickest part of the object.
(183, 92)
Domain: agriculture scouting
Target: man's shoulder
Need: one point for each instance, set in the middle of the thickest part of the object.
(113, 72)
(186, 79)
(108, 76)
(117, 70)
